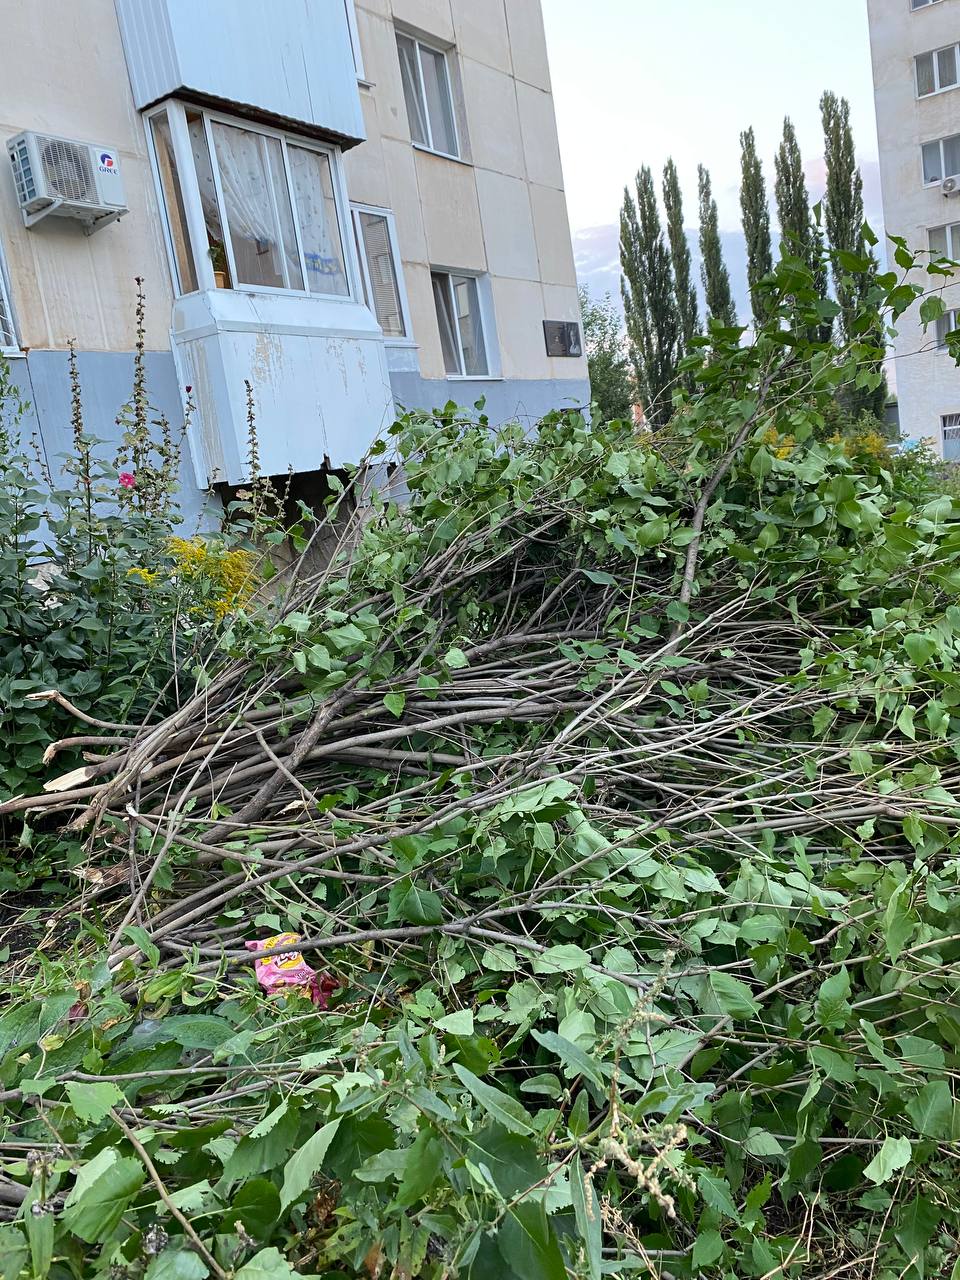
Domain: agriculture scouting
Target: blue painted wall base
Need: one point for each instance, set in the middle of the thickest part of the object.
(107, 379)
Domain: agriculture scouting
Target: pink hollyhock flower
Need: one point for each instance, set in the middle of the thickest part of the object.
(127, 479)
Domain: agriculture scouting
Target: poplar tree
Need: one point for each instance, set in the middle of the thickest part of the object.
(649, 302)
(842, 202)
(756, 222)
(684, 289)
(713, 271)
(843, 213)
(800, 236)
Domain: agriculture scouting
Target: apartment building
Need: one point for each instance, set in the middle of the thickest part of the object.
(356, 205)
(915, 47)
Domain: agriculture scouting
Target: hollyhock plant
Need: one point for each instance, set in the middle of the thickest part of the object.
(127, 479)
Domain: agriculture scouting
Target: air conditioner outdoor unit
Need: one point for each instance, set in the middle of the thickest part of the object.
(71, 179)
(950, 187)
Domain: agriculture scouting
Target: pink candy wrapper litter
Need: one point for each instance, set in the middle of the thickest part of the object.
(289, 972)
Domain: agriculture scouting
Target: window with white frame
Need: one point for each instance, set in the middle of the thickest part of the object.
(947, 323)
(944, 242)
(426, 91)
(936, 71)
(8, 338)
(460, 317)
(247, 206)
(380, 271)
(922, 4)
(941, 159)
(950, 426)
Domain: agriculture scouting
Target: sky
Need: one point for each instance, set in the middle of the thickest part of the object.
(635, 81)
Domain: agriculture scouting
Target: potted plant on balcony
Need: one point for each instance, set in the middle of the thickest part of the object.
(218, 256)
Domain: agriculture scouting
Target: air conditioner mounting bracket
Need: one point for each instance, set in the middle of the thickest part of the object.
(31, 219)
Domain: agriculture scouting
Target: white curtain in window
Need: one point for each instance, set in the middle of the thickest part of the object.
(257, 207)
(925, 80)
(410, 77)
(471, 328)
(317, 214)
(951, 156)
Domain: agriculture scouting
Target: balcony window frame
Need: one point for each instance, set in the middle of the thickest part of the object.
(935, 55)
(356, 209)
(917, 5)
(419, 43)
(196, 228)
(8, 324)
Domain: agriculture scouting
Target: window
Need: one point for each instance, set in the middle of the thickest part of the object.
(177, 227)
(950, 426)
(936, 71)
(379, 269)
(426, 91)
(247, 206)
(944, 242)
(941, 159)
(921, 4)
(457, 300)
(354, 37)
(8, 338)
(947, 323)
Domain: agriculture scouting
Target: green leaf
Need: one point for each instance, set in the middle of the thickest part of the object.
(302, 1166)
(93, 1101)
(586, 1209)
(759, 1142)
(142, 939)
(835, 1066)
(707, 1248)
(932, 309)
(893, 1155)
(176, 1264)
(96, 1205)
(408, 902)
(565, 958)
(395, 702)
(733, 996)
(832, 1007)
(715, 1192)
(504, 1109)
(932, 1110)
(455, 659)
(528, 1245)
(459, 1023)
(576, 1061)
(268, 1264)
(257, 1205)
(40, 1237)
(422, 1169)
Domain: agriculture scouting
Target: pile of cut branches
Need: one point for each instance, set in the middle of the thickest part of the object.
(610, 784)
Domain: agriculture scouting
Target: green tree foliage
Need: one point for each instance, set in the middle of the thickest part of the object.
(649, 302)
(756, 221)
(801, 235)
(713, 270)
(684, 288)
(843, 213)
(610, 781)
(609, 368)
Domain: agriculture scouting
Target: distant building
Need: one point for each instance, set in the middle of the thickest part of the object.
(916, 74)
(356, 204)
